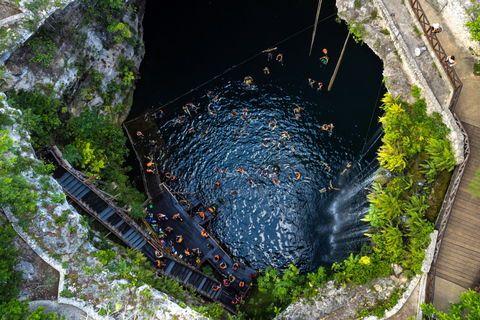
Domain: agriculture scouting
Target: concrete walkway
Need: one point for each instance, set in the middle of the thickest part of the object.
(468, 111)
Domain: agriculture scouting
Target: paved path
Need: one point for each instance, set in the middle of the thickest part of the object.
(459, 258)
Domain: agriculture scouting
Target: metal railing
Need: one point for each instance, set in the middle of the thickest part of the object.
(439, 52)
(447, 205)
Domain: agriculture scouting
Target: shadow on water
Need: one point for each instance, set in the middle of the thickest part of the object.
(268, 224)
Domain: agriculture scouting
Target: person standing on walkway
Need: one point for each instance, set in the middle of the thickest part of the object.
(450, 61)
(436, 28)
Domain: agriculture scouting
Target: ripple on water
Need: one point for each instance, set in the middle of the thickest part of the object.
(268, 224)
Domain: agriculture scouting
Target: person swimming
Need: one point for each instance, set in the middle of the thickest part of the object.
(248, 80)
(273, 124)
(311, 82)
(264, 142)
(276, 181)
(252, 183)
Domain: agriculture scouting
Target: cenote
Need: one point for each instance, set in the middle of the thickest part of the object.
(189, 43)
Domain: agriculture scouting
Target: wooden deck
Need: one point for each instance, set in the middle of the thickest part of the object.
(164, 201)
(117, 222)
(459, 257)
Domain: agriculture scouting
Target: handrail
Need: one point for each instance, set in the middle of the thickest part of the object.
(439, 52)
(447, 205)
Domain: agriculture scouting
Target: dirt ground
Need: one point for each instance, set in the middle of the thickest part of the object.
(43, 284)
(7, 10)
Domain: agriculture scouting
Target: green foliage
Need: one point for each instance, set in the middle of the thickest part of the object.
(105, 256)
(441, 154)
(416, 92)
(113, 4)
(127, 71)
(357, 29)
(467, 308)
(208, 271)
(474, 26)
(40, 115)
(213, 311)
(37, 6)
(360, 269)
(43, 50)
(10, 307)
(385, 32)
(374, 14)
(415, 29)
(121, 31)
(9, 278)
(61, 219)
(381, 305)
(358, 4)
(3, 68)
(476, 69)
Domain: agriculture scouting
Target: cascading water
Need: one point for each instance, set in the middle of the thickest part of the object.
(348, 208)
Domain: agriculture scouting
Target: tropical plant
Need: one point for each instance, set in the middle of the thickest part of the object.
(467, 308)
(474, 186)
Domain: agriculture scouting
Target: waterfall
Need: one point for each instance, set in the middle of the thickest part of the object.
(347, 208)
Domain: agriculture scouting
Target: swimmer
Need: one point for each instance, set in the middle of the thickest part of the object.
(297, 110)
(324, 59)
(279, 58)
(280, 143)
(252, 183)
(332, 187)
(323, 190)
(177, 217)
(264, 142)
(151, 170)
(219, 170)
(233, 193)
(140, 134)
(285, 135)
(325, 127)
(266, 70)
(192, 107)
(204, 234)
(244, 111)
(349, 164)
(241, 170)
(286, 165)
(233, 114)
(248, 80)
(216, 185)
(210, 111)
(292, 149)
(186, 110)
(320, 85)
(269, 51)
(226, 172)
(276, 181)
(201, 214)
(273, 124)
(153, 143)
(203, 135)
(311, 82)
(179, 238)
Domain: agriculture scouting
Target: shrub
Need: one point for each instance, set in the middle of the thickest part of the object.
(61, 219)
(467, 308)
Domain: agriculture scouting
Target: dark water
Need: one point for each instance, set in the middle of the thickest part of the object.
(190, 42)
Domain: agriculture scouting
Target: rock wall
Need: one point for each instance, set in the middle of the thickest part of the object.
(84, 69)
(393, 38)
(84, 282)
(456, 16)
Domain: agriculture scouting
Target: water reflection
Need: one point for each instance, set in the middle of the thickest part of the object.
(269, 224)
